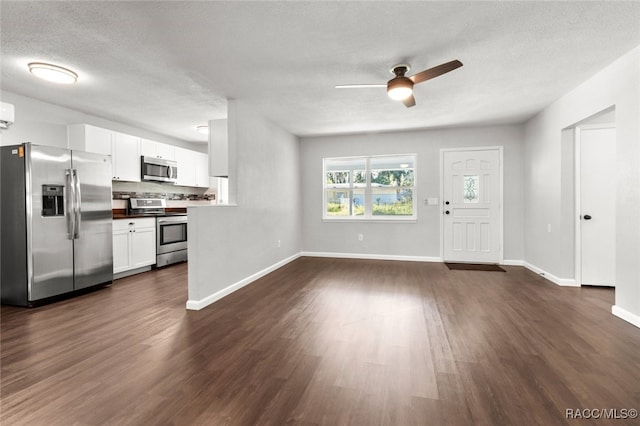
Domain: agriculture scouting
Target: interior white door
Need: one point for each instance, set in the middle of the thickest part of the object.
(471, 206)
(597, 205)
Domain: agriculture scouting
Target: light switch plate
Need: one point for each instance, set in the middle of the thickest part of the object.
(432, 201)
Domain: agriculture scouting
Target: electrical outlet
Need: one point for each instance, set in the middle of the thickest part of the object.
(278, 244)
(360, 237)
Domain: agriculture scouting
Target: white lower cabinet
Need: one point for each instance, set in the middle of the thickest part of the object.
(121, 249)
(134, 243)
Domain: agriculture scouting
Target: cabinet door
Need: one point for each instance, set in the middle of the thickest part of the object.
(98, 140)
(151, 148)
(202, 170)
(165, 151)
(186, 167)
(121, 250)
(148, 148)
(223, 191)
(143, 247)
(126, 157)
(219, 147)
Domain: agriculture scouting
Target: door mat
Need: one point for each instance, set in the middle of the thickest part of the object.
(473, 267)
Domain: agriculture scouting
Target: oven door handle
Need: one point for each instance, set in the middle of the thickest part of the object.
(171, 221)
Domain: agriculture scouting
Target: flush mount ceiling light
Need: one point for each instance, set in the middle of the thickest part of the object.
(203, 129)
(53, 73)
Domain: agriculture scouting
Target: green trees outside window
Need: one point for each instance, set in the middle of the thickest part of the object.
(376, 187)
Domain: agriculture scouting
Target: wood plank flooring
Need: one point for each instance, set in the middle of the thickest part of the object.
(322, 342)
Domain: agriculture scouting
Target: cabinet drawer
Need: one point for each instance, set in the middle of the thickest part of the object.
(137, 223)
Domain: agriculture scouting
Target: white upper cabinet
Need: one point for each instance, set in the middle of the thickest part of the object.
(126, 157)
(126, 150)
(166, 151)
(186, 167)
(151, 148)
(123, 149)
(99, 141)
(193, 168)
(202, 170)
(219, 148)
(223, 190)
(148, 148)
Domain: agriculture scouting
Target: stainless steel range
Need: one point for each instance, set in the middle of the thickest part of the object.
(171, 240)
(171, 229)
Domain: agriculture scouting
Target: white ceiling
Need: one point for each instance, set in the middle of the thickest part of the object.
(169, 66)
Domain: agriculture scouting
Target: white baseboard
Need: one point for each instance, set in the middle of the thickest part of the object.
(507, 262)
(626, 315)
(565, 282)
(371, 256)
(196, 305)
(202, 303)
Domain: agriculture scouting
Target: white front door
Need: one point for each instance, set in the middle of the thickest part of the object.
(597, 205)
(472, 200)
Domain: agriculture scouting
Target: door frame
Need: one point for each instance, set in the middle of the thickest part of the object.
(577, 189)
(500, 150)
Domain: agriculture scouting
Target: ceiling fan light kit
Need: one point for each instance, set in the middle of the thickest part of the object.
(400, 88)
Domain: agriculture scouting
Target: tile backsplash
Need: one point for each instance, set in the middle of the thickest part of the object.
(126, 190)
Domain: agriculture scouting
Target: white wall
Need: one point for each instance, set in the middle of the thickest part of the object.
(46, 124)
(421, 238)
(548, 197)
(228, 244)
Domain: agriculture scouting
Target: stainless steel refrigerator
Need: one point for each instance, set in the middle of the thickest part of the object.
(56, 222)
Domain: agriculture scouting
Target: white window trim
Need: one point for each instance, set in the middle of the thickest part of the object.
(368, 216)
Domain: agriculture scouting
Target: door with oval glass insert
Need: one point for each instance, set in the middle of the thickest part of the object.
(471, 206)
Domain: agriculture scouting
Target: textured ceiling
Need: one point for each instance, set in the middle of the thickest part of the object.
(169, 66)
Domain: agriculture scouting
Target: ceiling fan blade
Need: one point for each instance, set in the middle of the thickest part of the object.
(358, 86)
(409, 102)
(435, 71)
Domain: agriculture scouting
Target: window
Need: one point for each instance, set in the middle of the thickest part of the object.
(380, 187)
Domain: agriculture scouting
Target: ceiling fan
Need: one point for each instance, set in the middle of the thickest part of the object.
(400, 87)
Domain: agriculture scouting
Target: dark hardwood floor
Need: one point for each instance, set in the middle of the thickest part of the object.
(323, 341)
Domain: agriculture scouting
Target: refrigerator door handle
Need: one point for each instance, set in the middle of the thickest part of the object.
(76, 209)
(69, 208)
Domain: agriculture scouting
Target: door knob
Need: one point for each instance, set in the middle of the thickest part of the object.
(446, 212)
(587, 217)
(446, 202)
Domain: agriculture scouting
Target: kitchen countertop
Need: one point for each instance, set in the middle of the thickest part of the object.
(169, 211)
(171, 204)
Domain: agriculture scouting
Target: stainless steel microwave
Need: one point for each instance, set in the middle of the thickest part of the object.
(158, 169)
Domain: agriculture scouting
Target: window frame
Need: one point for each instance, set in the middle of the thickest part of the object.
(368, 192)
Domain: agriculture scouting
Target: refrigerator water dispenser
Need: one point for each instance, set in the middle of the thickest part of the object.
(52, 200)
